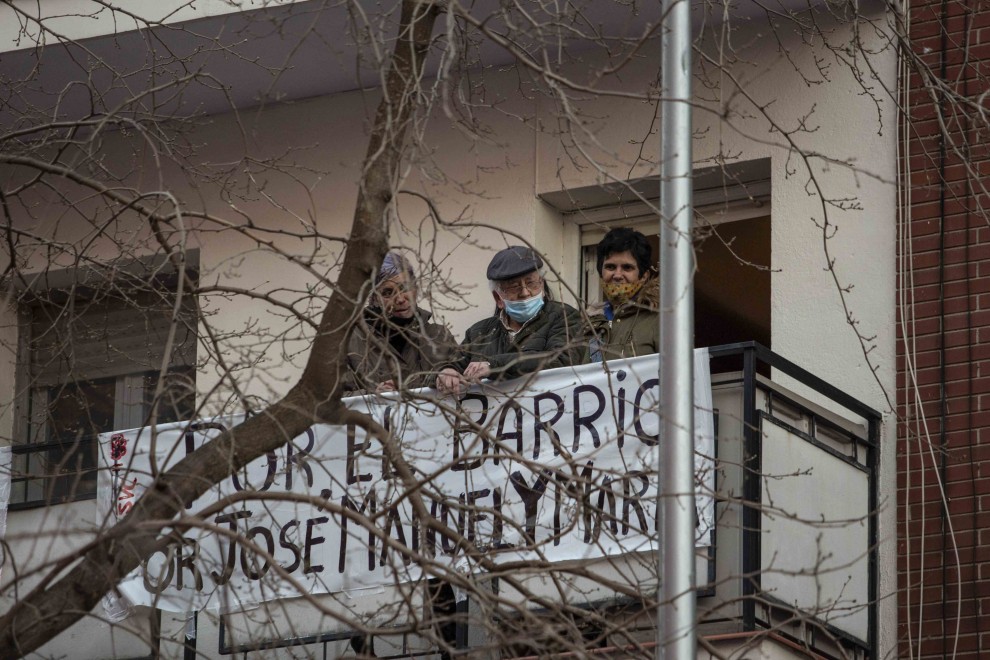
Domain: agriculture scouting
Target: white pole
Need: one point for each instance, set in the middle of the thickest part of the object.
(678, 608)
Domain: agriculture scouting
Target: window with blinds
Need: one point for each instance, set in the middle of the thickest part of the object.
(93, 359)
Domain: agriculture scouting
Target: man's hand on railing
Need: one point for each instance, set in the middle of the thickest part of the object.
(477, 370)
(385, 386)
(449, 381)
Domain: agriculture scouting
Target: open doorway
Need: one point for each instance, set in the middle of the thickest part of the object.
(731, 241)
(731, 282)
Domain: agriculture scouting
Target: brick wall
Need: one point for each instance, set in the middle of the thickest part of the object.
(946, 341)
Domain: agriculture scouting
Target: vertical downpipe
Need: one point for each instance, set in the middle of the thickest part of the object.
(678, 608)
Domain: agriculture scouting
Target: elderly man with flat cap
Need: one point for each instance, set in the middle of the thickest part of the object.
(528, 332)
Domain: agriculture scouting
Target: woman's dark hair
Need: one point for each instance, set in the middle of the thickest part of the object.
(623, 239)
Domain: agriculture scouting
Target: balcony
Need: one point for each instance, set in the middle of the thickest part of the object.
(791, 561)
(793, 553)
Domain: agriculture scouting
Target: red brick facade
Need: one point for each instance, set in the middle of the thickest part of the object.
(944, 337)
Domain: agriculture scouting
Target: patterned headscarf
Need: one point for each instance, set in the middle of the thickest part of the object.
(393, 264)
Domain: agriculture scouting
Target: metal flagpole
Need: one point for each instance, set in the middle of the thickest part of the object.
(678, 608)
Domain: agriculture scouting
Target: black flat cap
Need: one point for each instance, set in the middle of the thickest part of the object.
(512, 262)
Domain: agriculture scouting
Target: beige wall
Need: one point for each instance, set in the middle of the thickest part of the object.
(850, 142)
(486, 189)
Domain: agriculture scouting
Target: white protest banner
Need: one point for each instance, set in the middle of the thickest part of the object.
(559, 466)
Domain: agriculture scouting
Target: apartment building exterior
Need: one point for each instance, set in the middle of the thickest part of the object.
(796, 195)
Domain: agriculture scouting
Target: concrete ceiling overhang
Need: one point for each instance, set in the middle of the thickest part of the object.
(290, 51)
(747, 181)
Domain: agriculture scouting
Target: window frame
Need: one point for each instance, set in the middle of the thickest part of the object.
(646, 222)
(37, 489)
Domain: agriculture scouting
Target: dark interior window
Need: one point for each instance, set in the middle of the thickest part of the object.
(732, 283)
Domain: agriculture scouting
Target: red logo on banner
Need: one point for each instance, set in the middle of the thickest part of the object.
(118, 446)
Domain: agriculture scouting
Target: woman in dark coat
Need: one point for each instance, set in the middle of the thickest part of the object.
(395, 345)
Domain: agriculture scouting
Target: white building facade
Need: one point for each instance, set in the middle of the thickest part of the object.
(796, 168)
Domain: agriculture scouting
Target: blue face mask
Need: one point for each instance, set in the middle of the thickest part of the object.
(521, 311)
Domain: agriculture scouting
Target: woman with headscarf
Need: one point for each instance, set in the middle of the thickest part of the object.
(395, 345)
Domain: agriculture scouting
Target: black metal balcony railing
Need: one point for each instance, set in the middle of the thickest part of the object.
(859, 453)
